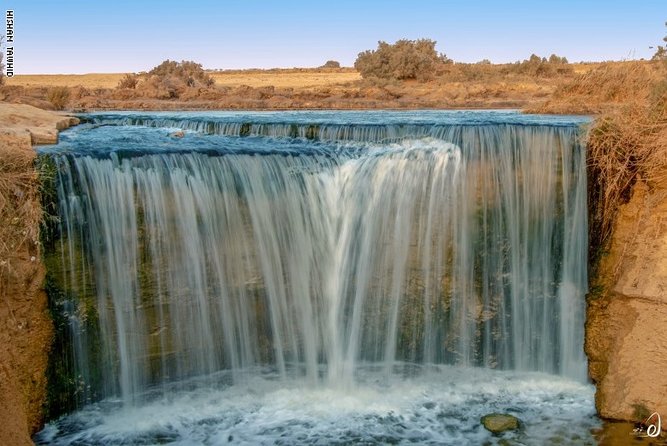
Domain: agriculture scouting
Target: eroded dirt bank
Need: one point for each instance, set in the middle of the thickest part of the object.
(25, 325)
(626, 327)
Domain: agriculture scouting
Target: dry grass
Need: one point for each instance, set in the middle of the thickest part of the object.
(20, 212)
(604, 87)
(287, 78)
(58, 97)
(20, 209)
(93, 80)
(628, 140)
(625, 145)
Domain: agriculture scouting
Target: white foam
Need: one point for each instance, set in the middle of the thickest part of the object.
(440, 405)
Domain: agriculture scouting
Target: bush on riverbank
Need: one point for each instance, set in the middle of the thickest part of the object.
(169, 80)
(58, 97)
(403, 60)
(626, 145)
(605, 87)
(628, 140)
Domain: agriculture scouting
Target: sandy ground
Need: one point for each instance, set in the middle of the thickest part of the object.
(92, 80)
(285, 78)
(41, 126)
(297, 78)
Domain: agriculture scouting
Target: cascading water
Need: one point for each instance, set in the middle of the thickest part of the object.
(335, 251)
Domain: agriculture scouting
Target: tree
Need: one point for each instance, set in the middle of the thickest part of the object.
(554, 59)
(542, 67)
(168, 80)
(405, 59)
(661, 52)
(331, 64)
(191, 73)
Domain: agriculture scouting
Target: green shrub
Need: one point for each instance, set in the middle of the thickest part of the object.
(331, 64)
(661, 51)
(555, 60)
(58, 97)
(536, 66)
(189, 72)
(405, 59)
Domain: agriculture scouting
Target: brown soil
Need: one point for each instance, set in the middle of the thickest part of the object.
(626, 334)
(25, 325)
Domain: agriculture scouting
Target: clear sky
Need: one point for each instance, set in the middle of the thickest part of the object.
(81, 36)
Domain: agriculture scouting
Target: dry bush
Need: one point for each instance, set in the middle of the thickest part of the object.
(129, 81)
(189, 72)
(58, 97)
(331, 64)
(405, 59)
(465, 72)
(608, 85)
(626, 144)
(20, 212)
(536, 66)
(79, 92)
(532, 70)
(171, 80)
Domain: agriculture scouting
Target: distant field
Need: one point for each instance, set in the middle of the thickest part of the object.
(299, 78)
(285, 78)
(93, 80)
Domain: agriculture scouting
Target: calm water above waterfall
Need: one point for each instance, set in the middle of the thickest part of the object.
(319, 277)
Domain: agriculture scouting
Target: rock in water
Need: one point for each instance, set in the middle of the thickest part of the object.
(498, 422)
(177, 134)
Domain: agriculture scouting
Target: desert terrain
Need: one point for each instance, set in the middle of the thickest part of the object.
(519, 85)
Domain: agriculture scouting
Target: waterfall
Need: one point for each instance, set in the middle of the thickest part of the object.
(343, 245)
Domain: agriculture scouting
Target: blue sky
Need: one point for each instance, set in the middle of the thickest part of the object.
(81, 36)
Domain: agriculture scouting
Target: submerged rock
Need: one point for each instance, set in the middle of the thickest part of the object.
(499, 422)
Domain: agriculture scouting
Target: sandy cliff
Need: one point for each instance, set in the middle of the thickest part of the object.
(626, 328)
(25, 326)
